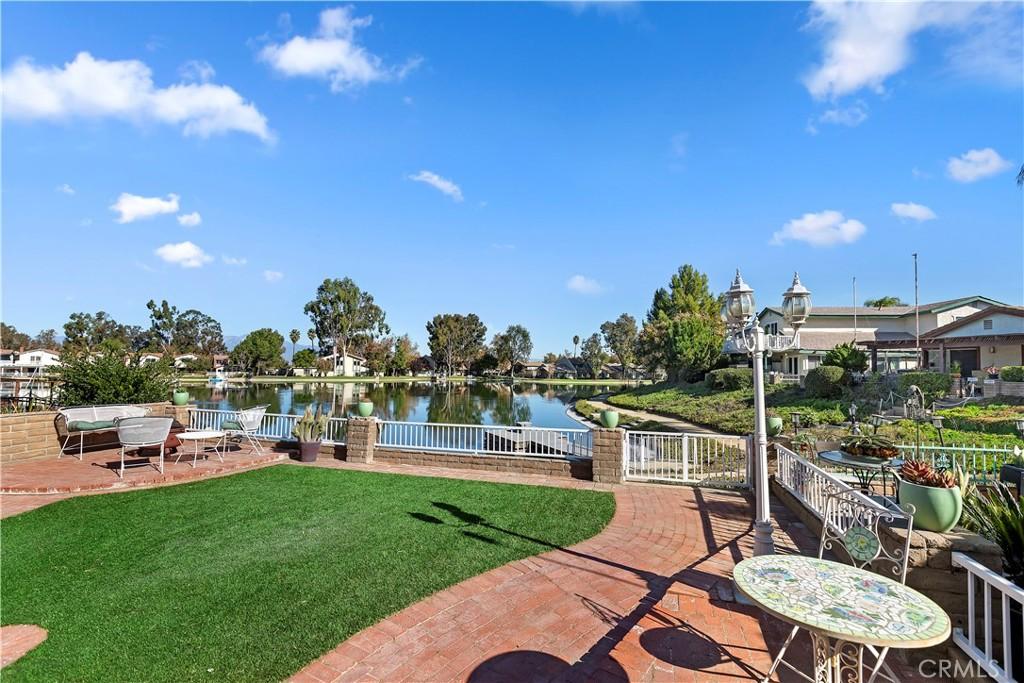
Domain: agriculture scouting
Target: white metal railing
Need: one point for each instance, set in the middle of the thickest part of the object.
(485, 439)
(982, 462)
(273, 425)
(984, 653)
(810, 484)
(687, 458)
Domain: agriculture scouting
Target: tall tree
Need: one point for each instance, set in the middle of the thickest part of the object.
(550, 358)
(259, 351)
(662, 340)
(294, 336)
(575, 343)
(593, 353)
(621, 336)
(85, 331)
(46, 339)
(195, 332)
(10, 338)
(512, 346)
(693, 345)
(455, 339)
(162, 320)
(404, 354)
(884, 302)
(378, 354)
(344, 315)
(311, 333)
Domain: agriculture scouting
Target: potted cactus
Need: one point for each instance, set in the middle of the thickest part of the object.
(937, 497)
(309, 430)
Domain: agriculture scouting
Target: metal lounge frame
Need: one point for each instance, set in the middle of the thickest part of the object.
(851, 522)
(140, 432)
(249, 419)
(93, 413)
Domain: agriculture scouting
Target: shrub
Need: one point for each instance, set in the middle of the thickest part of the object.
(934, 385)
(107, 379)
(825, 381)
(729, 379)
(848, 357)
(1012, 373)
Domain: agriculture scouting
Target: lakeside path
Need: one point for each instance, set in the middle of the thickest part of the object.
(672, 423)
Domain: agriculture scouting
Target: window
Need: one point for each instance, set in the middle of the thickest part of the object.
(987, 324)
(771, 328)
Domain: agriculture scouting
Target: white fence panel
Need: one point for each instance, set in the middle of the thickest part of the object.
(810, 484)
(486, 439)
(982, 647)
(982, 462)
(686, 458)
(273, 426)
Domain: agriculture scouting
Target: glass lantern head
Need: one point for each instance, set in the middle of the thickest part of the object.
(796, 303)
(739, 302)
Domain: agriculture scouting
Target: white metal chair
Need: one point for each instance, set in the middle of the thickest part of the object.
(140, 432)
(851, 524)
(245, 424)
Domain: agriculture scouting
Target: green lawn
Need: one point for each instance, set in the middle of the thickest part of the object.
(252, 576)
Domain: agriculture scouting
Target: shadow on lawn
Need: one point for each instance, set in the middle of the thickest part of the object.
(675, 642)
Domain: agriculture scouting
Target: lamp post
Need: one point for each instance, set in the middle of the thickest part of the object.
(748, 336)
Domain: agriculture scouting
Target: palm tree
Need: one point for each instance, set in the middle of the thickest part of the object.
(295, 336)
(1020, 176)
(311, 333)
(575, 343)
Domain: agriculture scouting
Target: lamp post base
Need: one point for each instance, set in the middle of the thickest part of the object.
(764, 544)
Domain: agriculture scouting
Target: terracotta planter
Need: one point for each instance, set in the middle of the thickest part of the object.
(180, 397)
(610, 418)
(364, 408)
(935, 509)
(308, 451)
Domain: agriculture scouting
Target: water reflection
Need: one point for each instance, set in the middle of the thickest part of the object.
(456, 403)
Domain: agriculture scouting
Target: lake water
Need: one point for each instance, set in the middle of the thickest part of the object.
(541, 405)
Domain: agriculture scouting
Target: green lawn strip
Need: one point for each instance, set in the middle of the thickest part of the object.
(252, 576)
(988, 423)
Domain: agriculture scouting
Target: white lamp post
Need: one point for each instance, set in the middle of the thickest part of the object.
(748, 336)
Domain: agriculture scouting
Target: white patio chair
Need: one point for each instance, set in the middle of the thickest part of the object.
(245, 424)
(139, 432)
(851, 524)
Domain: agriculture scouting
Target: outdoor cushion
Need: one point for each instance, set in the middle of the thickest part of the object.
(232, 424)
(86, 426)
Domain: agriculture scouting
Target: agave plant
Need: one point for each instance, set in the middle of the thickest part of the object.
(311, 426)
(997, 515)
(921, 473)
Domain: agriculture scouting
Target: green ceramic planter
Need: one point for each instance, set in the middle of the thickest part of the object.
(934, 509)
(774, 426)
(364, 408)
(180, 397)
(610, 418)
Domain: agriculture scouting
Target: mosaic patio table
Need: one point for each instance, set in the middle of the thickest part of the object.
(843, 608)
(865, 468)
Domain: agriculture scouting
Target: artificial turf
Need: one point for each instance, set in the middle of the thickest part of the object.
(252, 576)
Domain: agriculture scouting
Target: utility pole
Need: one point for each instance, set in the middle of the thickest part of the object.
(917, 316)
(854, 310)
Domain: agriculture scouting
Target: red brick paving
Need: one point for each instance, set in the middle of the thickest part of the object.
(18, 639)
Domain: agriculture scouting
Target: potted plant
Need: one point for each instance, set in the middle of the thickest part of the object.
(364, 408)
(937, 497)
(1012, 472)
(773, 425)
(870, 446)
(610, 418)
(309, 430)
(954, 369)
(997, 515)
(180, 395)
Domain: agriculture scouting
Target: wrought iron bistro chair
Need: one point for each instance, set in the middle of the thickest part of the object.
(140, 432)
(245, 424)
(851, 523)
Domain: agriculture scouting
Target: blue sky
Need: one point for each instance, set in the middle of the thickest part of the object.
(535, 163)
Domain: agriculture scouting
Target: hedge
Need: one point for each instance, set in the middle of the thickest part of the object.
(1012, 373)
(934, 385)
(824, 381)
(729, 379)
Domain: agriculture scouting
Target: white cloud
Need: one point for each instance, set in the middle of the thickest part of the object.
(976, 164)
(822, 229)
(867, 42)
(581, 284)
(441, 184)
(64, 188)
(332, 53)
(912, 211)
(132, 207)
(272, 275)
(234, 260)
(679, 143)
(190, 220)
(919, 174)
(184, 254)
(197, 70)
(96, 88)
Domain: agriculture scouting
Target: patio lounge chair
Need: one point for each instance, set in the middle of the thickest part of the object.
(851, 526)
(245, 424)
(139, 432)
(91, 420)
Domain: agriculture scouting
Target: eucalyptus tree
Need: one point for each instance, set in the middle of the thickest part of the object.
(593, 353)
(344, 315)
(512, 346)
(621, 336)
(455, 339)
